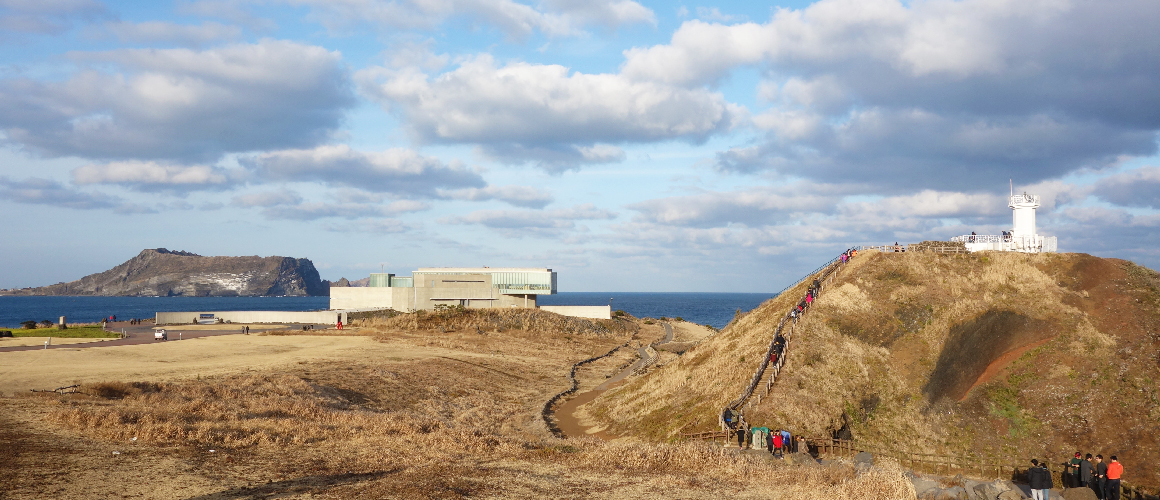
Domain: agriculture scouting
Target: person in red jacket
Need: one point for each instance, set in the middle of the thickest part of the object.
(1112, 487)
(777, 443)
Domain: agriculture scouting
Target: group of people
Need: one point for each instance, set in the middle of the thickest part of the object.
(1079, 472)
(778, 442)
(848, 254)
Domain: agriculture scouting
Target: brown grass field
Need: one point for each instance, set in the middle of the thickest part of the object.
(416, 406)
(995, 354)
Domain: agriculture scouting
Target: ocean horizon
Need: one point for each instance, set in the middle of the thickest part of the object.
(714, 309)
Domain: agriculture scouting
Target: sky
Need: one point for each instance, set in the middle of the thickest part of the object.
(630, 146)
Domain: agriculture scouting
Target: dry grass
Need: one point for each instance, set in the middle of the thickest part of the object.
(861, 358)
(438, 445)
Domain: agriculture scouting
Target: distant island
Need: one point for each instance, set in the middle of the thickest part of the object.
(162, 272)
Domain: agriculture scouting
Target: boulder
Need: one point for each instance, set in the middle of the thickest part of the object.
(800, 458)
(953, 493)
(922, 486)
(1012, 495)
(1079, 494)
(989, 491)
(864, 458)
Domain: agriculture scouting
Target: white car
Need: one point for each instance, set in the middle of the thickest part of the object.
(160, 335)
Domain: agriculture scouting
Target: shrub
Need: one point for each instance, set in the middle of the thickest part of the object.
(5, 333)
(29, 325)
(620, 312)
(45, 323)
(680, 319)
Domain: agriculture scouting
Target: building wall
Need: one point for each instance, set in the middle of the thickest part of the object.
(361, 297)
(302, 317)
(591, 312)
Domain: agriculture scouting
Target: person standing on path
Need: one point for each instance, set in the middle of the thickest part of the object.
(777, 444)
(1112, 487)
(1072, 480)
(1039, 480)
(1100, 478)
(1085, 471)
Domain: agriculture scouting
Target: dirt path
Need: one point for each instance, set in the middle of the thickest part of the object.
(136, 334)
(565, 414)
(1000, 363)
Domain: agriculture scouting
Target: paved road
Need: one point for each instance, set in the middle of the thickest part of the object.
(143, 334)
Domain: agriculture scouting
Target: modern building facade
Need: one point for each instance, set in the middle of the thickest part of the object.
(428, 287)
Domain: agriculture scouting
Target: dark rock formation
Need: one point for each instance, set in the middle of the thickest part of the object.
(167, 273)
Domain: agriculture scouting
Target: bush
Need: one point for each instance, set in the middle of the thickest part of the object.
(680, 319)
(619, 312)
(5, 333)
(29, 325)
(45, 323)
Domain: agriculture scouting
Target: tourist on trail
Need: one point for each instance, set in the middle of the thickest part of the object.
(741, 437)
(801, 447)
(340, 324)
(1100, 477)
(1073, 472)
(897, 248)
(1085, 471)
(777, 444)
(1039, 480)
(786, 442)
(1112, 487)
(769, 443)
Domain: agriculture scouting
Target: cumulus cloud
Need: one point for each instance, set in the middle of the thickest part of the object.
(545, 112)
(167, 32)
(151, 176)
(180, 104)
(554, 18)
(890, 91)
(39, 191)
(533, 221)
(520, 196)
(1135, 188)
(376, 226)
(399, 171)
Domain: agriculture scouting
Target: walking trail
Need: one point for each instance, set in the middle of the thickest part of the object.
(565, 414)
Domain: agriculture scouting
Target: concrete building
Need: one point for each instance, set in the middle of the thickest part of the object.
(1023, 236)
(472, 287)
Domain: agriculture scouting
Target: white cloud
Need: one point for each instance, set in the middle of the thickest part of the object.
(1134, 188)
(164, 31)
(289, 205)
(180, 103)
(399, 171)
(39, 191)
(555, 18)
(148, 175)
(937, 94)
(523, 107)
(537, 221)
(754, 207)
(521, 196)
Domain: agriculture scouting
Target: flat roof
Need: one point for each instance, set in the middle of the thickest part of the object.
(482, 270)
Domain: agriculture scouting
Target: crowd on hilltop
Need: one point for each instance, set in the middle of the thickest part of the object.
(1079, 472)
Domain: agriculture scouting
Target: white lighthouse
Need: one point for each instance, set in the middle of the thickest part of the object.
(1022, 237)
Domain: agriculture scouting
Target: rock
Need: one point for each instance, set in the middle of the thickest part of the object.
(1012, 495)
(923, 486)
(953, 493)
(800, 458)
(1079, 494)
(989, 491)
(176, 273)
(864, 458)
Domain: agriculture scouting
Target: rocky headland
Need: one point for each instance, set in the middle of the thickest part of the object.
(161, 272)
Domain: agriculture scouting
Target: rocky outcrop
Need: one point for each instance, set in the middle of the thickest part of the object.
(161, 272)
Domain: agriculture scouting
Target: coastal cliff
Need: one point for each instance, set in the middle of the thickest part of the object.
(161, 272)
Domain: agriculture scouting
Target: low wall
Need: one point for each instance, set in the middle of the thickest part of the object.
(590, 312)
(361, 297)
(300, 317)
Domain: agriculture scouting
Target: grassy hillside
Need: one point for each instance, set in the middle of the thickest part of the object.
(995, 353)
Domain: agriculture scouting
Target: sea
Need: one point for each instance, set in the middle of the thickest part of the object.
(714, 309)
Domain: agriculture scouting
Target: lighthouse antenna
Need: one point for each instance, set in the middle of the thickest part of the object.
(1012, 182)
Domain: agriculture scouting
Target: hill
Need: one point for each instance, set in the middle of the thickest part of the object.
(176, 273)
(997, 354)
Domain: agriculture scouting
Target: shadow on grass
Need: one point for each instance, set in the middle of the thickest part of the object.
(307, 484)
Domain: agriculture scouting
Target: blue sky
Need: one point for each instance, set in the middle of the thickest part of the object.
(631, 146)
